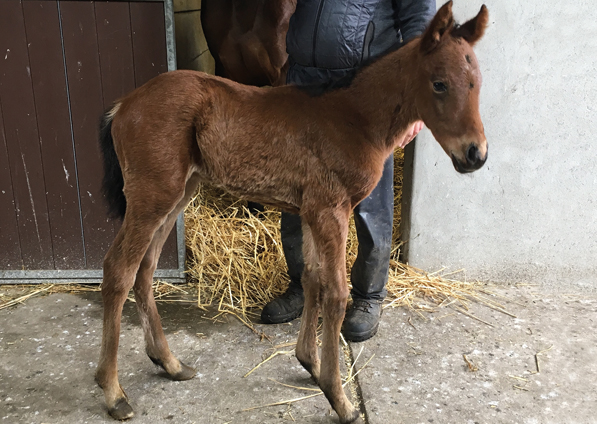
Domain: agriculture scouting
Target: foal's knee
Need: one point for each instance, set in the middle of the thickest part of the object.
(334, 301)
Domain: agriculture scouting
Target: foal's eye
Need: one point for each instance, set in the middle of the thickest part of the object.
(439, 87)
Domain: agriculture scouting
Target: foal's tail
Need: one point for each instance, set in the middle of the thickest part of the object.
(113, 183)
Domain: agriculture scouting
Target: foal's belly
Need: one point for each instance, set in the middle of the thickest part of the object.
(258, 187)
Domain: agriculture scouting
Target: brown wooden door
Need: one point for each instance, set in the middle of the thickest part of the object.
(62, 63)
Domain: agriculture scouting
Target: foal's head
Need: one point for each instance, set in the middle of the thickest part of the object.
(449, 81)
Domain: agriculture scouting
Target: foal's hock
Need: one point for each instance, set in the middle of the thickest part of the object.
(315, 156)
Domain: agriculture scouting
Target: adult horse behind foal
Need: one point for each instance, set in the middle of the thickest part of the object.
(247, 39)
(316, 156)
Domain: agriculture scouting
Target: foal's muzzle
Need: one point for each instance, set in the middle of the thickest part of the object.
(472, 159)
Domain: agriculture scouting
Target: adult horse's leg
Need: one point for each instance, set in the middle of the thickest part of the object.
(306, 346)
(121, 264)
(156, 344)
(330, 230)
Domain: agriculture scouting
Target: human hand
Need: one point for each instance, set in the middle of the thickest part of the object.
(411, 133)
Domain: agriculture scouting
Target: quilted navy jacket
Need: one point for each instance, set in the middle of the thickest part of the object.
(328, 37)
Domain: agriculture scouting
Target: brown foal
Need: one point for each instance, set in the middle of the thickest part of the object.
(316, 156)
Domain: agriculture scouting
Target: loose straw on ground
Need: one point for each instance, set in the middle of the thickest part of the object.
(319, 392)
(537, 357)
(21, 298)
(14, 294)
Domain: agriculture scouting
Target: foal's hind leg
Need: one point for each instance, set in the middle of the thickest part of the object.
(156, 344)
(120, 267)
(330, 230)
(306, 346)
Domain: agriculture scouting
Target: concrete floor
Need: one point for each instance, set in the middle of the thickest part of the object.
(49, 348)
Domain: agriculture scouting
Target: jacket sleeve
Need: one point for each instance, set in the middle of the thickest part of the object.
(413, 17)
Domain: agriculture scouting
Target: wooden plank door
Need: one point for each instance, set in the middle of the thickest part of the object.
(64, 63)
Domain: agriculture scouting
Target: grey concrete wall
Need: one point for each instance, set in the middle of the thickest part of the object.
(531, 213)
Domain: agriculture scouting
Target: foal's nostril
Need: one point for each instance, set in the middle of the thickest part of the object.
(472, 154)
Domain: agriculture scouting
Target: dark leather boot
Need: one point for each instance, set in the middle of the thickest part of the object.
(286, 307)
(362, 320)
(290, 305)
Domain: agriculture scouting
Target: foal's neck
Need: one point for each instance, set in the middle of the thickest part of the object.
(382, 94)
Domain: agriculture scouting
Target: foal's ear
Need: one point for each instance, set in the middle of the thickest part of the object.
(474, 29)
(439, 26)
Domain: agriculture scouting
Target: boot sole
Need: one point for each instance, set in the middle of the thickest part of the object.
(361, 337)
(281, 319)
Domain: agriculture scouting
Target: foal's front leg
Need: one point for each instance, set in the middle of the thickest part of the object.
(306, 345)
(330, 230)
(334, 307)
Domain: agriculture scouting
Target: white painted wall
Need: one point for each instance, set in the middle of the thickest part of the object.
(531, 213)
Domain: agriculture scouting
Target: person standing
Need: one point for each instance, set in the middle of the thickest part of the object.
(327, 42)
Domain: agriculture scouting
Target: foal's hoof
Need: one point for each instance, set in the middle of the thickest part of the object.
(313, 369)
(186, 373)
(354, 418)
(122, 410)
